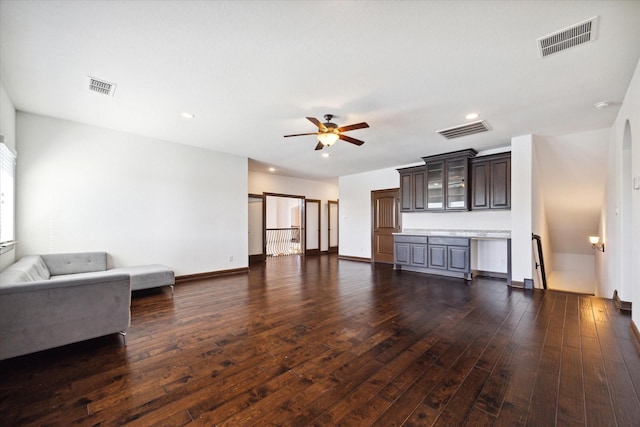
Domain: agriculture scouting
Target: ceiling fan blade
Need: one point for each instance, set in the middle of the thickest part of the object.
(317, 123)
(353, 127)
(351, 140)
(320, 146)
(302, 134)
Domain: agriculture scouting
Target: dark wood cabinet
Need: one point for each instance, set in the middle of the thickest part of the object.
(412, 190)
(449, 256)
(446, 180)
(491, 182)
(457, 181)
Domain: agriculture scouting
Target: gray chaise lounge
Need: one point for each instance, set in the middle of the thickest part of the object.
(52, 300)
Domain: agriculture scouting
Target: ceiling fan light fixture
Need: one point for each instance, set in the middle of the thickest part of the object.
(328, 138)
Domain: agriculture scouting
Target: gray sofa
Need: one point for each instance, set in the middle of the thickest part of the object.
(52, 300)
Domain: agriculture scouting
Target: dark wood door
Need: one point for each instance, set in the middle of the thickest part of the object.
(385, 219)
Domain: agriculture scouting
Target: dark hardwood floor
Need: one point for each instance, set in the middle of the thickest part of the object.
(324, 341)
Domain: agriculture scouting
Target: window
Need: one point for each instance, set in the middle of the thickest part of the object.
(7, 195)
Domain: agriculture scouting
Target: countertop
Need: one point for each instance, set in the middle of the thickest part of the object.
(474, 234)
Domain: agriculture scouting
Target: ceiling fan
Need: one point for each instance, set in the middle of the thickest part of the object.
(328, 133)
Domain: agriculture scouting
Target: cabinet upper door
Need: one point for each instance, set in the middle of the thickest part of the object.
(418, 195)
(406, 191)
(491, 182)
(456, 183)
(501, 183)
(435, 185)
(480, 185)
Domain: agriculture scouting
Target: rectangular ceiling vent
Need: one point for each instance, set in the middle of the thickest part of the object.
(580, 33)
(101, 86)
(466, 129)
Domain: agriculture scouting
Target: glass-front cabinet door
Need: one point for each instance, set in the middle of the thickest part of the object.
(456, 191)
(435, 185)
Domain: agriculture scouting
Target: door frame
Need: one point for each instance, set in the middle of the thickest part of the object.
(312, 251)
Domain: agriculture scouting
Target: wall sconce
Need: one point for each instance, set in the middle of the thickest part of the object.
(594, 243)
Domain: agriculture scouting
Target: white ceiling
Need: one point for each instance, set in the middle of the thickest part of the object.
(251, 72)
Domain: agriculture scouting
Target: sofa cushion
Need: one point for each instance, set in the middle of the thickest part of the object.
(83, 262)
(28, 269)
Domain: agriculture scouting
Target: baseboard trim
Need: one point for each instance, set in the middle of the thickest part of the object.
(621, 305)
(492, 274)
(210, 274)
(636, 333)
(354, 258)
(516, 284)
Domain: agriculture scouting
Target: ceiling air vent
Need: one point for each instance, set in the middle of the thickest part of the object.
(101, 86)
(580, 33)
(464, 130)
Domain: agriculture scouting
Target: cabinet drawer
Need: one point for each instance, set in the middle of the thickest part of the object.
(410, 239)
(449, 241)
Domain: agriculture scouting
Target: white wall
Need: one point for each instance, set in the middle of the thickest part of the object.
(468, 220)
(8, 130)
(616, 257)
(259, 183)
(355, 209)
(281, 212)
(572, 273)
(539, 225)
(142, 200)
(521, 207)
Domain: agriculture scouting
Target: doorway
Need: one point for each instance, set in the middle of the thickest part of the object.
(332, 224)
(312, 227)
(256, 232)
(385, 220)
(284, 233)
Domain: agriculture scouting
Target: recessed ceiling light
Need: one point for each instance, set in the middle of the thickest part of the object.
(325, 155)
(602, 104)
(272, 169)
(472, 116)
(188, 115)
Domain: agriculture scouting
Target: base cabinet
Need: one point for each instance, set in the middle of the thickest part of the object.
(410, 251)
(458, 259)
(438, 256)
(449, 256)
